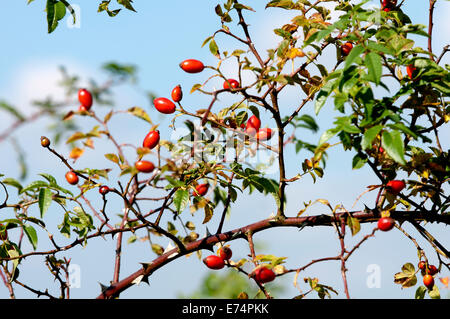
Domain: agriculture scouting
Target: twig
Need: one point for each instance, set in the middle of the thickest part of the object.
(430, 28)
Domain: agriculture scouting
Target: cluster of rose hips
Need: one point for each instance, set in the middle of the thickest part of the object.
(428, 271)
(217, 262)
(166, 106)
(394, 187)
(252, 128)
(261, 274)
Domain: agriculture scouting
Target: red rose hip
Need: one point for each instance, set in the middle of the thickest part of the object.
(428, 281)
(346, 48)
(72, 178)
(410, 69)
(264, 134)
(264, 275)
(144, 166)
(164, 105)
(388, 5)
(395, 186)
(151, 139)
(214, 262)
(85, 98)
(432, 270)
(421, 265)
(386, 223)
(201, 189)
(192, 66)
(254, 122)
(177, 94)
(103, 190)
(230, 83)
(225, 252)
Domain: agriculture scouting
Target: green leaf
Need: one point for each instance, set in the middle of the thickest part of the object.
(319, 35)
(282, 49)
(33, 186)
(208, 38)
(354, 53)
(402, 127)
(369, 136)
(49, 178)
(420, 292)
(31, 235)
(45, 199)
(327, 135)
(13, 182)
(323, 95)
(213, 48)
(181, 200)
(60, 10)
(56, 10)
(373, 63)
(393, 144)
(358, 161)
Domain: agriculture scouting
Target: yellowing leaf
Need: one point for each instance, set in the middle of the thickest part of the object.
(89, 143)
(140, 113)
(294, 53)
(444, 281)
(76, 153)
(68, 116)
(75, 137)
(208, 214)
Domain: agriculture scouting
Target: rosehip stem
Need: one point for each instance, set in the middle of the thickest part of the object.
(67, 163)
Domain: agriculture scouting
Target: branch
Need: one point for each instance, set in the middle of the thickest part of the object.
(430, 28)
(239, 233)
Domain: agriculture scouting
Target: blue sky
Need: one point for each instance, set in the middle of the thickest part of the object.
(156, 39)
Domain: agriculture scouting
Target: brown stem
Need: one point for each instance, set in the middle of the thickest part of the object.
(430, 28)
(208, 242)
(251, 245)
(7, 285)
(37, 292)
(342, 258)
(104, 221)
